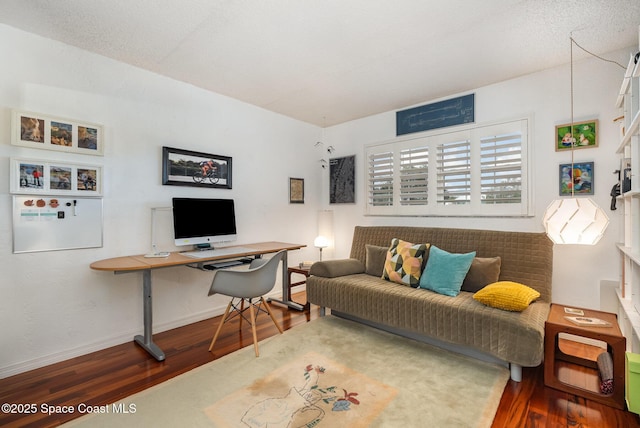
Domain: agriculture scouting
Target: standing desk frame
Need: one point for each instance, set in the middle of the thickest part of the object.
(139, 263)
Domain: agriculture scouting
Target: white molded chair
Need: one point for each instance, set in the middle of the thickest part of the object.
(246, 285)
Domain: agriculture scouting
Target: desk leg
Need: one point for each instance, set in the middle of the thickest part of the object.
(146, 341)
(286, 296)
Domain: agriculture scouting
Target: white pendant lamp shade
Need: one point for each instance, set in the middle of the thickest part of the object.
(575, 221)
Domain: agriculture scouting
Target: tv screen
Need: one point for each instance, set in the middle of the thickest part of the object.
(203, 221)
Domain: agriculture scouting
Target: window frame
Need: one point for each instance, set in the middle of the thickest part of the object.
(431, 140)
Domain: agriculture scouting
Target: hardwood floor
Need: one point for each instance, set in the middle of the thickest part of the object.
(106, 376)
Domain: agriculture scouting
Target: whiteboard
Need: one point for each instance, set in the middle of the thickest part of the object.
(49, 223)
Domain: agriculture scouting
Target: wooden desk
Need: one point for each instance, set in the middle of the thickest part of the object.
(612, 336)
(140, 263)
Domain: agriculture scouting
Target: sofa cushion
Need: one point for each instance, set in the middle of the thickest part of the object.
(334, 268)
(403, 263)
(483, 271)
(445, 271)
(517, 337)
(375, 258)
(507, 295)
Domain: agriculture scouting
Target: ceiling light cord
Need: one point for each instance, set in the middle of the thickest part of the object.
(572, 138)
(598, 56)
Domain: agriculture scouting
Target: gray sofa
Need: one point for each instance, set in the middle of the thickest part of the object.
(459, 323)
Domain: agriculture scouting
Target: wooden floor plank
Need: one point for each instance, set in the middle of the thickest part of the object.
(115, 373)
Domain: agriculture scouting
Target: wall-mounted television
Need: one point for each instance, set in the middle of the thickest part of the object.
(198, 221)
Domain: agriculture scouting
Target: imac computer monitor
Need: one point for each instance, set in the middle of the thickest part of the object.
(200, 222)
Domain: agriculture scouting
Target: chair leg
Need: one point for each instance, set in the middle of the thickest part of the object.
(266, 305)
(241, 311)
(253, 328)
(224, 317)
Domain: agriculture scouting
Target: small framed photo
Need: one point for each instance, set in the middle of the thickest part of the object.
(30, 176)
(576, 178)
(296, 190)
(53, 133)
(585, 135)
(189, 168)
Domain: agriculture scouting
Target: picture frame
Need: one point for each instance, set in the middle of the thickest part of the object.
(190, 168)
(296, 190)
(342, 180)
(585, 134)
(40, 131)
(441, 114)
(47, 177)
(581, 179)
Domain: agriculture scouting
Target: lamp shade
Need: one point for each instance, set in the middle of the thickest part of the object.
(575, 221)
(321, 242)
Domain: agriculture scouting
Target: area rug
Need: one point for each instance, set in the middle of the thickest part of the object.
(328, 372)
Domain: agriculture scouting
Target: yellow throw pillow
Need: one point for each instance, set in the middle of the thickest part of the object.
(507, 295)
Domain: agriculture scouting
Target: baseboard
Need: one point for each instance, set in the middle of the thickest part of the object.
(116, 340)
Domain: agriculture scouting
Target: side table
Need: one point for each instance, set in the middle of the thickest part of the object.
(302, 271)
(612, 336)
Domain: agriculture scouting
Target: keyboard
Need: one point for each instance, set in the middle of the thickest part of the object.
(217, 252)
(222, 265)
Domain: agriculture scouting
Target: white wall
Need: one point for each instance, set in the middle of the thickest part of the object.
(52, 305)
(546, 97)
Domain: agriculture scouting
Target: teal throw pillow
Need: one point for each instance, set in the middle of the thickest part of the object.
(445, 271)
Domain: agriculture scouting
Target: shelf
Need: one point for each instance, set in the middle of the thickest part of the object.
(569, 374)
(629, 195)
(628, 291)
(634, 255)
(630, 71)
(630, 312)
(630, 132)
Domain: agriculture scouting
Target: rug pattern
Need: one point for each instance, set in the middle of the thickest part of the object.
(312, 390)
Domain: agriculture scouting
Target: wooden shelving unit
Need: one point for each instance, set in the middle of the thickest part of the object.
(628, 101)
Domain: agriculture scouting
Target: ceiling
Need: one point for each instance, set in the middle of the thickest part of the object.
(330, 61)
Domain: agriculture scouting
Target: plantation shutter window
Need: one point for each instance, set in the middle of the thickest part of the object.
(381, 179)
(414, 176)
(476, 170)
(501, 169)
(454, 172)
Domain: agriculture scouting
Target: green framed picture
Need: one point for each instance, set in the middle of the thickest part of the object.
(585, 135)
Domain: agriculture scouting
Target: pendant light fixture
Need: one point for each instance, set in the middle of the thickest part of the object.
(574, 220)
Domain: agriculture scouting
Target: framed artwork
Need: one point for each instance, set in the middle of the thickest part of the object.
(585, 134)
(55, 178)
(188, 168)
(52, 133)
(578, 179)
(342, 180)
(296, 190)
(441, 114)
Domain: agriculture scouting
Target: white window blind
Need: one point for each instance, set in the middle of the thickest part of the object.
(414, 176)
(380, 179)
(477, 170)
(501, 169)
(454, 172)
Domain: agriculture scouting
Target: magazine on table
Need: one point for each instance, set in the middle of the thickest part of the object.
(589, 321)
(573, 311)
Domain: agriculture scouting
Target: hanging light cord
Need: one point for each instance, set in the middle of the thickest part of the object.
(598, 56)
(572, 139)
